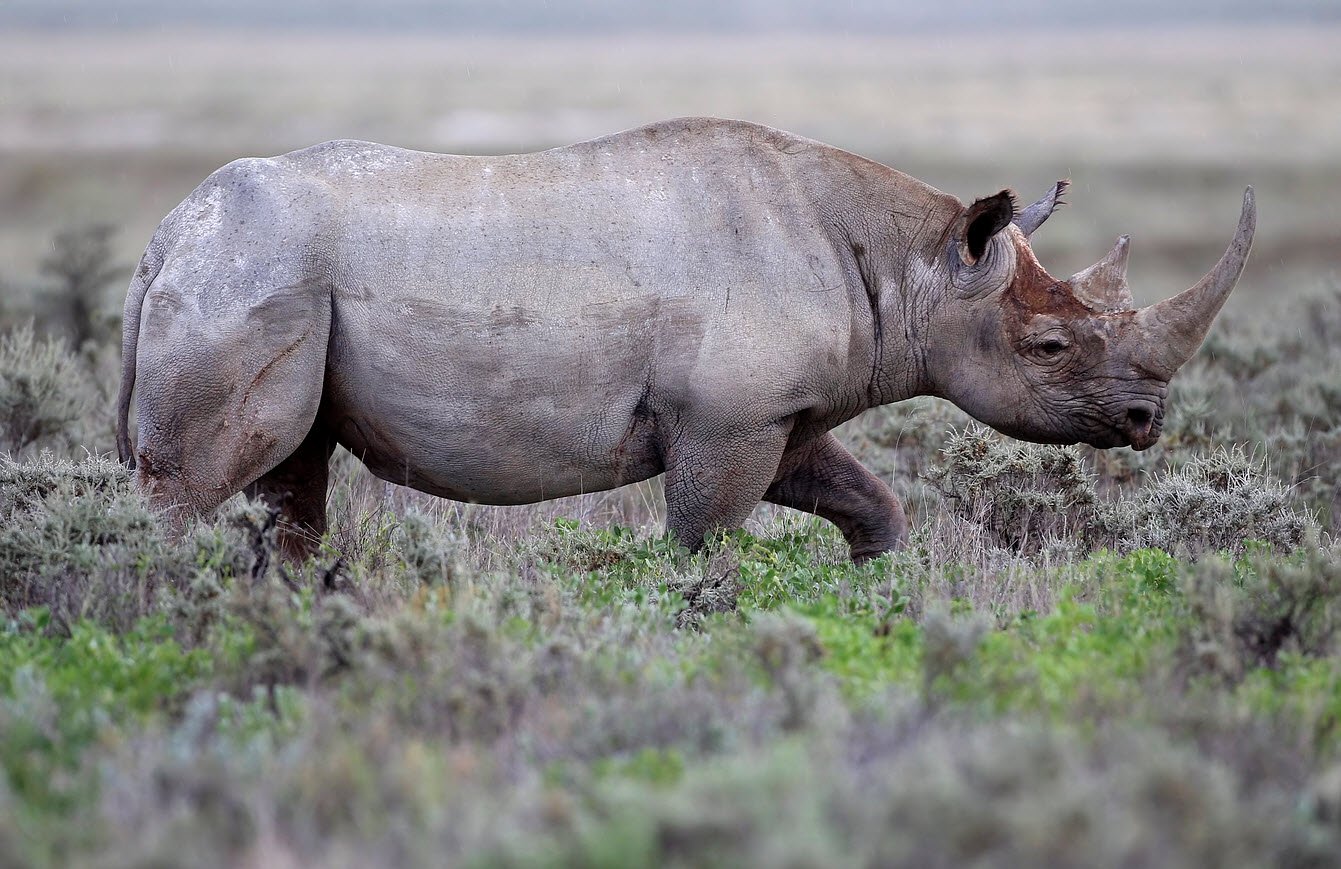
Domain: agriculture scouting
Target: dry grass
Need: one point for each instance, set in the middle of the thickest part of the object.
(360, 504)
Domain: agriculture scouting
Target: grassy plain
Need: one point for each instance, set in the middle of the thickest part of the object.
(1082, 659)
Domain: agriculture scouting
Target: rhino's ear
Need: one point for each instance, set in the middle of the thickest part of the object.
(1032, 217)
(982, 220)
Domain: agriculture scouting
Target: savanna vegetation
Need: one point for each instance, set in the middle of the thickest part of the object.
(1082, 658)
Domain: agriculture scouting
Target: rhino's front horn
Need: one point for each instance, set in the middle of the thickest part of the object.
(1174, 328)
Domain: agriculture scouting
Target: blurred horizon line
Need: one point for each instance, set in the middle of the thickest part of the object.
(616, 18)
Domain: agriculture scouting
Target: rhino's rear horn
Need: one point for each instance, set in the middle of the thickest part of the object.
(1103, 286)
(984, 219)
(1032, 217)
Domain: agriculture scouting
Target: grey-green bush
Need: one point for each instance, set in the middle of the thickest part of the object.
(1026, 495)
(1246, 615)
(1022, 494)
(43, 394)
(1224, 500)
(81, 263)
(76, 539)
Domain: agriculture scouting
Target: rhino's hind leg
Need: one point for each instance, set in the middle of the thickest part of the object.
(296, 487)
(823, 478)
(714, 483)
(220, 402)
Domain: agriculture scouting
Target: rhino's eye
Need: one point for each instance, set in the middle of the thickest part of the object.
(1050, 348)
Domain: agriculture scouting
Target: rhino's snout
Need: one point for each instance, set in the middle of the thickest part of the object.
(1141, 424)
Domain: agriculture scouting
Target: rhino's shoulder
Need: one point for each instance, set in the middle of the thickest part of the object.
(705, 131)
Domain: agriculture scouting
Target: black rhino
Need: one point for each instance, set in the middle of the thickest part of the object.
(699, 297)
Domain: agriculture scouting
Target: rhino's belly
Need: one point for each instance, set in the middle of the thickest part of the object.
(454, 459)
(509, 424)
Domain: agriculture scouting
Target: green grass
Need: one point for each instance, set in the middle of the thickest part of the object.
(574, 706)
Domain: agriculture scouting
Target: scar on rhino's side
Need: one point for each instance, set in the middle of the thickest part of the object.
(260, 375)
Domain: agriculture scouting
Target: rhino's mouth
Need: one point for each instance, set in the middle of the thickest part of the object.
(1144, 443)
(1136, 423)
(1139, 426)
(1109, 439)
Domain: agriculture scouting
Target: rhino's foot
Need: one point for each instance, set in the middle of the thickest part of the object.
(823, 478)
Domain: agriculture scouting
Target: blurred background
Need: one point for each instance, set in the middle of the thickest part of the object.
(1160, 112)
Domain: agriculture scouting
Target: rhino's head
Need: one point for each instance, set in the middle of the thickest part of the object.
(1062, 361)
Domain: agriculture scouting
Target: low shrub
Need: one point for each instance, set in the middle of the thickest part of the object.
(1024, 495)
(895, 789)
(1247, 614)
(43, 394)
(76, 539)
(1222, 501)
(1027, 497)
(81, 263)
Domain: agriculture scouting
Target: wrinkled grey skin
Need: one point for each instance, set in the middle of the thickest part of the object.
(702, 297)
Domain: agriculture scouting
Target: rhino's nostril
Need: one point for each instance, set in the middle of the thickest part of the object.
(1139, 417)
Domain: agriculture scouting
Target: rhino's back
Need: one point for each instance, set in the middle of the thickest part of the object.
(674, 207)
(519, 327)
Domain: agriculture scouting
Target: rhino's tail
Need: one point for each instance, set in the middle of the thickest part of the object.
(145, 273)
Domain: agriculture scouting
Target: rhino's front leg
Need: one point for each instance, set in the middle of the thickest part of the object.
(714, 481)
(823, 478)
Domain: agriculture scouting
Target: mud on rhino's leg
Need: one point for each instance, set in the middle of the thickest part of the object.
(823, 478)
(714, 482)
(296, 487)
